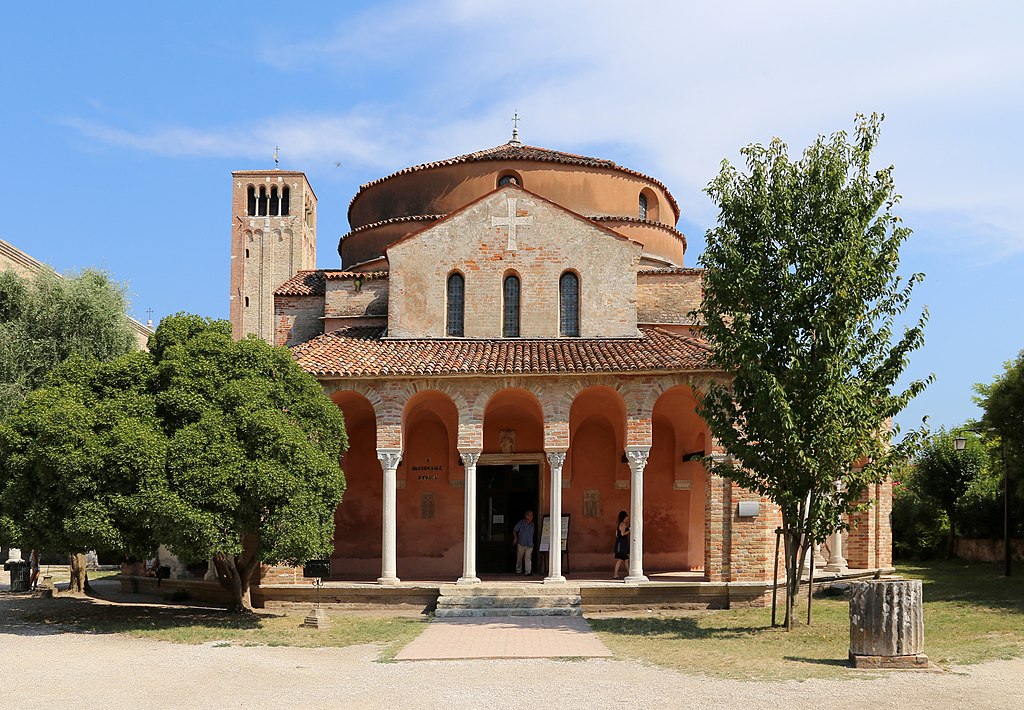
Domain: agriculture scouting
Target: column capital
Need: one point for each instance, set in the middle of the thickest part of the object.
(389, 458)
(469, 458)
(556, 459)
(636, 456)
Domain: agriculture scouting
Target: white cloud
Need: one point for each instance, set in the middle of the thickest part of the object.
(673, 86)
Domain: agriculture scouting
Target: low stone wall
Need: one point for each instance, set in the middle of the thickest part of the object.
(196, 589)
(979, 550)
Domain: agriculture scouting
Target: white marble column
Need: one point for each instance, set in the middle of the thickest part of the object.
(469, 458)
(556, 459)
(637, 457)
(836, 561)
(389, 460)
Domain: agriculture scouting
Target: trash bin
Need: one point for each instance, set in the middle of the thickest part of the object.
(20, 575)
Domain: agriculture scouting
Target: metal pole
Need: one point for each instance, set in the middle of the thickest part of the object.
(810, 583)
(775, 580)
(1006, 511)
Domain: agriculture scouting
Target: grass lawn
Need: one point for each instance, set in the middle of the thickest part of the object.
(971, 614)
(191, 625)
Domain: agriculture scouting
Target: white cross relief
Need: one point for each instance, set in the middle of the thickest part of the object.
(511, 221)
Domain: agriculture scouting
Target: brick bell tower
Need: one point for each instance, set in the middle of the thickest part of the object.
(273, 236)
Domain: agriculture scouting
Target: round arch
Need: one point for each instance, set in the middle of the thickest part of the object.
(513, 422)
(597, 475)
(358, 519)
(674, 484)
(429, 502)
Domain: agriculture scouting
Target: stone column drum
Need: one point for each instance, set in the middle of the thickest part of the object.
(887, 624)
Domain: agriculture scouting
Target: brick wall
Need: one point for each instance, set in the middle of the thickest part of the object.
(554, 241)
(345, 299)
(667, 298)
(869, 541)
(297, 319)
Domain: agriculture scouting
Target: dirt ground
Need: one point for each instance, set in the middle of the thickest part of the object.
(74, 669)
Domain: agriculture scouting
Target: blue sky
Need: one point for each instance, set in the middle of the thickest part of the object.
(121, 123)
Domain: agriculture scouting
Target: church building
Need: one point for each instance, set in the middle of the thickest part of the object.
(509, 330)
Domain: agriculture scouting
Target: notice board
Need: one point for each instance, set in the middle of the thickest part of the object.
(545, 533)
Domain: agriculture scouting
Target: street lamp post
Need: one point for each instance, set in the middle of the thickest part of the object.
(960, 443)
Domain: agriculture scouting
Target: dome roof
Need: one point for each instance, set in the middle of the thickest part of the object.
(517, 151)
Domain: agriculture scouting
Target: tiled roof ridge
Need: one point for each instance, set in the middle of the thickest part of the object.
(361, 351)
(311, 282)
(694, 270)
(436, 217)
(507, 151)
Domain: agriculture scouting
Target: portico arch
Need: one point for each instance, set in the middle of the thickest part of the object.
(674, 484)
(597, 477)
(358, 519)
(429, 500)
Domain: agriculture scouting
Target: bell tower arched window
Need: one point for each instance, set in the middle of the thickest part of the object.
(261, 206)
(250, 201)
(456, 305)
(569, 305)
(510, 301)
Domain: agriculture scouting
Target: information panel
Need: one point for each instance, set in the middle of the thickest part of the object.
(545, 533)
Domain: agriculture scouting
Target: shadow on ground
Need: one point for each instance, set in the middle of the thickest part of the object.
(682, 627)
(23, 614)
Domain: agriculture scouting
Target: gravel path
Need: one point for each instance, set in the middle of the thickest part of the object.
(83, 670)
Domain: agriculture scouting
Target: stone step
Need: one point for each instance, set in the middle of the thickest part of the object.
(508, 590)
(516, 611)
(503, 601)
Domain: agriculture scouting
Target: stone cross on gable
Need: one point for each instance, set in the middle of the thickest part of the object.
(511, 221)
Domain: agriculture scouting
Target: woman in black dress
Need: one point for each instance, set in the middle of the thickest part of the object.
(621, 543)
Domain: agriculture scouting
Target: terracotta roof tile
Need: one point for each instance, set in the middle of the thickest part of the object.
(360, 351)
(312, 283)
(508, 151)
(688, 270)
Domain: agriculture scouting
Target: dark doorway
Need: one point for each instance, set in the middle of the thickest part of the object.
(503, 495)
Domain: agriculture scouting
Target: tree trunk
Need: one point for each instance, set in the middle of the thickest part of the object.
(951, 553)
(234, 572)
(79, 577)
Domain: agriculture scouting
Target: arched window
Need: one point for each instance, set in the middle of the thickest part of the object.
(569, 305)
(250, 201)
(261, 208)
(246, 301)
(643, 206)
(507, 180)
(456, 305)
(510, 315)
(285, 194)
(275, 202)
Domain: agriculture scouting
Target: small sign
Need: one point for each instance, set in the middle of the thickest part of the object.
(545, 533)
(749, 509)
(316, 568)
(497, 519)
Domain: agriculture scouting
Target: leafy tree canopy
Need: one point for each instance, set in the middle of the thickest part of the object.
(1003, 405)
(802, 297)
(46, 319)
(81, 458)
(253, 453)
(943, 475)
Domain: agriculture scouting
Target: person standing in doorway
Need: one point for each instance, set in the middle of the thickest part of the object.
(522, 538)
(621, 543)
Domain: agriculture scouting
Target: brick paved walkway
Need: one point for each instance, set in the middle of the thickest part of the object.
(505, 637)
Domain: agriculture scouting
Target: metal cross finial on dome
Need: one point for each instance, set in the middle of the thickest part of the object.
(515, 130)
(276, 157)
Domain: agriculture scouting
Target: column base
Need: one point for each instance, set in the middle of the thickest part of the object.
(554, 580)
(636, 579)
(388, 580)
(834, 569)
(467, 580)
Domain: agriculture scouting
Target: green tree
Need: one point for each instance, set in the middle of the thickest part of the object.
(802, 295)
(1003, 404)
(81, 459)
(253, 458)
(943, 475)
(46, 319)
